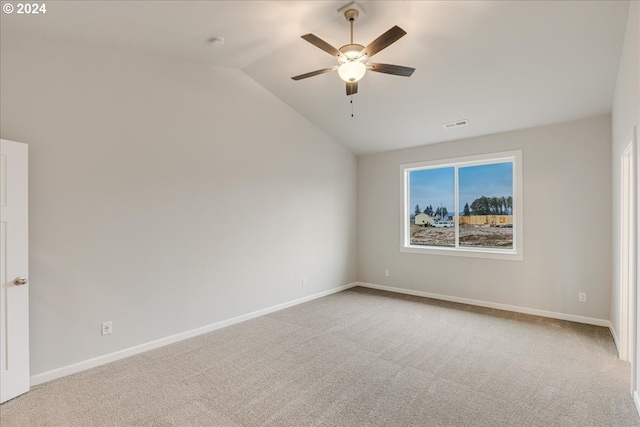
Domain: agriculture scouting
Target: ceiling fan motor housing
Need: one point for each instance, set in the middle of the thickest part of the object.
(351, 52)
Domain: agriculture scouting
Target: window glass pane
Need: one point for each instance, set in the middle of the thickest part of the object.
(486, 204)
(432, 207)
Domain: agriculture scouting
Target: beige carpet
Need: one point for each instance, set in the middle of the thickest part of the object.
(357, 358)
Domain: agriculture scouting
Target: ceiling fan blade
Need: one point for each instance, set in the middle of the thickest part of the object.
(314, 73)
(352, 88)
(319, 43)
(396, 70)
(383, 41)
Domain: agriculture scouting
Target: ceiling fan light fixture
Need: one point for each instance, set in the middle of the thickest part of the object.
(352, 71)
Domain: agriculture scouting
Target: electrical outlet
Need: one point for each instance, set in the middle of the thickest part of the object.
(387, 273)
(303, 282)
(582, 297)
(106, 328)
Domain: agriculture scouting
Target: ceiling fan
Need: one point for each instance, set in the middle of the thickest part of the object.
(352, 58)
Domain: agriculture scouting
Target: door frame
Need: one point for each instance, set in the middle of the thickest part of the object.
(630, 301)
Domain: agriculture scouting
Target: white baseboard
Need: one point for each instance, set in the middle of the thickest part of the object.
(615, 339)
(121, 354)
(636, 400)
(506, 307)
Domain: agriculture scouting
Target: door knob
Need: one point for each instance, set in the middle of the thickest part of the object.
(19, 281)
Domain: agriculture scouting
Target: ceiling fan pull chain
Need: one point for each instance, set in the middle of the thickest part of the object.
(351, 105)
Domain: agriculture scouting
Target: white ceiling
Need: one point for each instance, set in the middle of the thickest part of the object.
(501, 65)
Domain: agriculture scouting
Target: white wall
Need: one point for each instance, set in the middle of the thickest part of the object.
(166, 196)
(624, 115)
(567, 217)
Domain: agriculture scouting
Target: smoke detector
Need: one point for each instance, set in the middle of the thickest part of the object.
(216, 41)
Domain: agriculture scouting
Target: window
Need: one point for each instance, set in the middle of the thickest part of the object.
(469, 206)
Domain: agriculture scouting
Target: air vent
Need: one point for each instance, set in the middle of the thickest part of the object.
(456, 124)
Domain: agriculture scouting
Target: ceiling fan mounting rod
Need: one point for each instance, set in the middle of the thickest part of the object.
(351, 22)
(351, 15)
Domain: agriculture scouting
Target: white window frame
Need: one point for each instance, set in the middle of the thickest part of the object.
(514, 254)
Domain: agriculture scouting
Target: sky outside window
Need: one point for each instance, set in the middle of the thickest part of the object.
(494, 180)
(433, 187)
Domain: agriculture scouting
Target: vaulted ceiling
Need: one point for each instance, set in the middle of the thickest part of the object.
(500, 65)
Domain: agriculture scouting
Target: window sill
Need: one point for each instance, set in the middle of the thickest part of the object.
(464, 252)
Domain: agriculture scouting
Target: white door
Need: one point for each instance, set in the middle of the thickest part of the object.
(14, 265)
